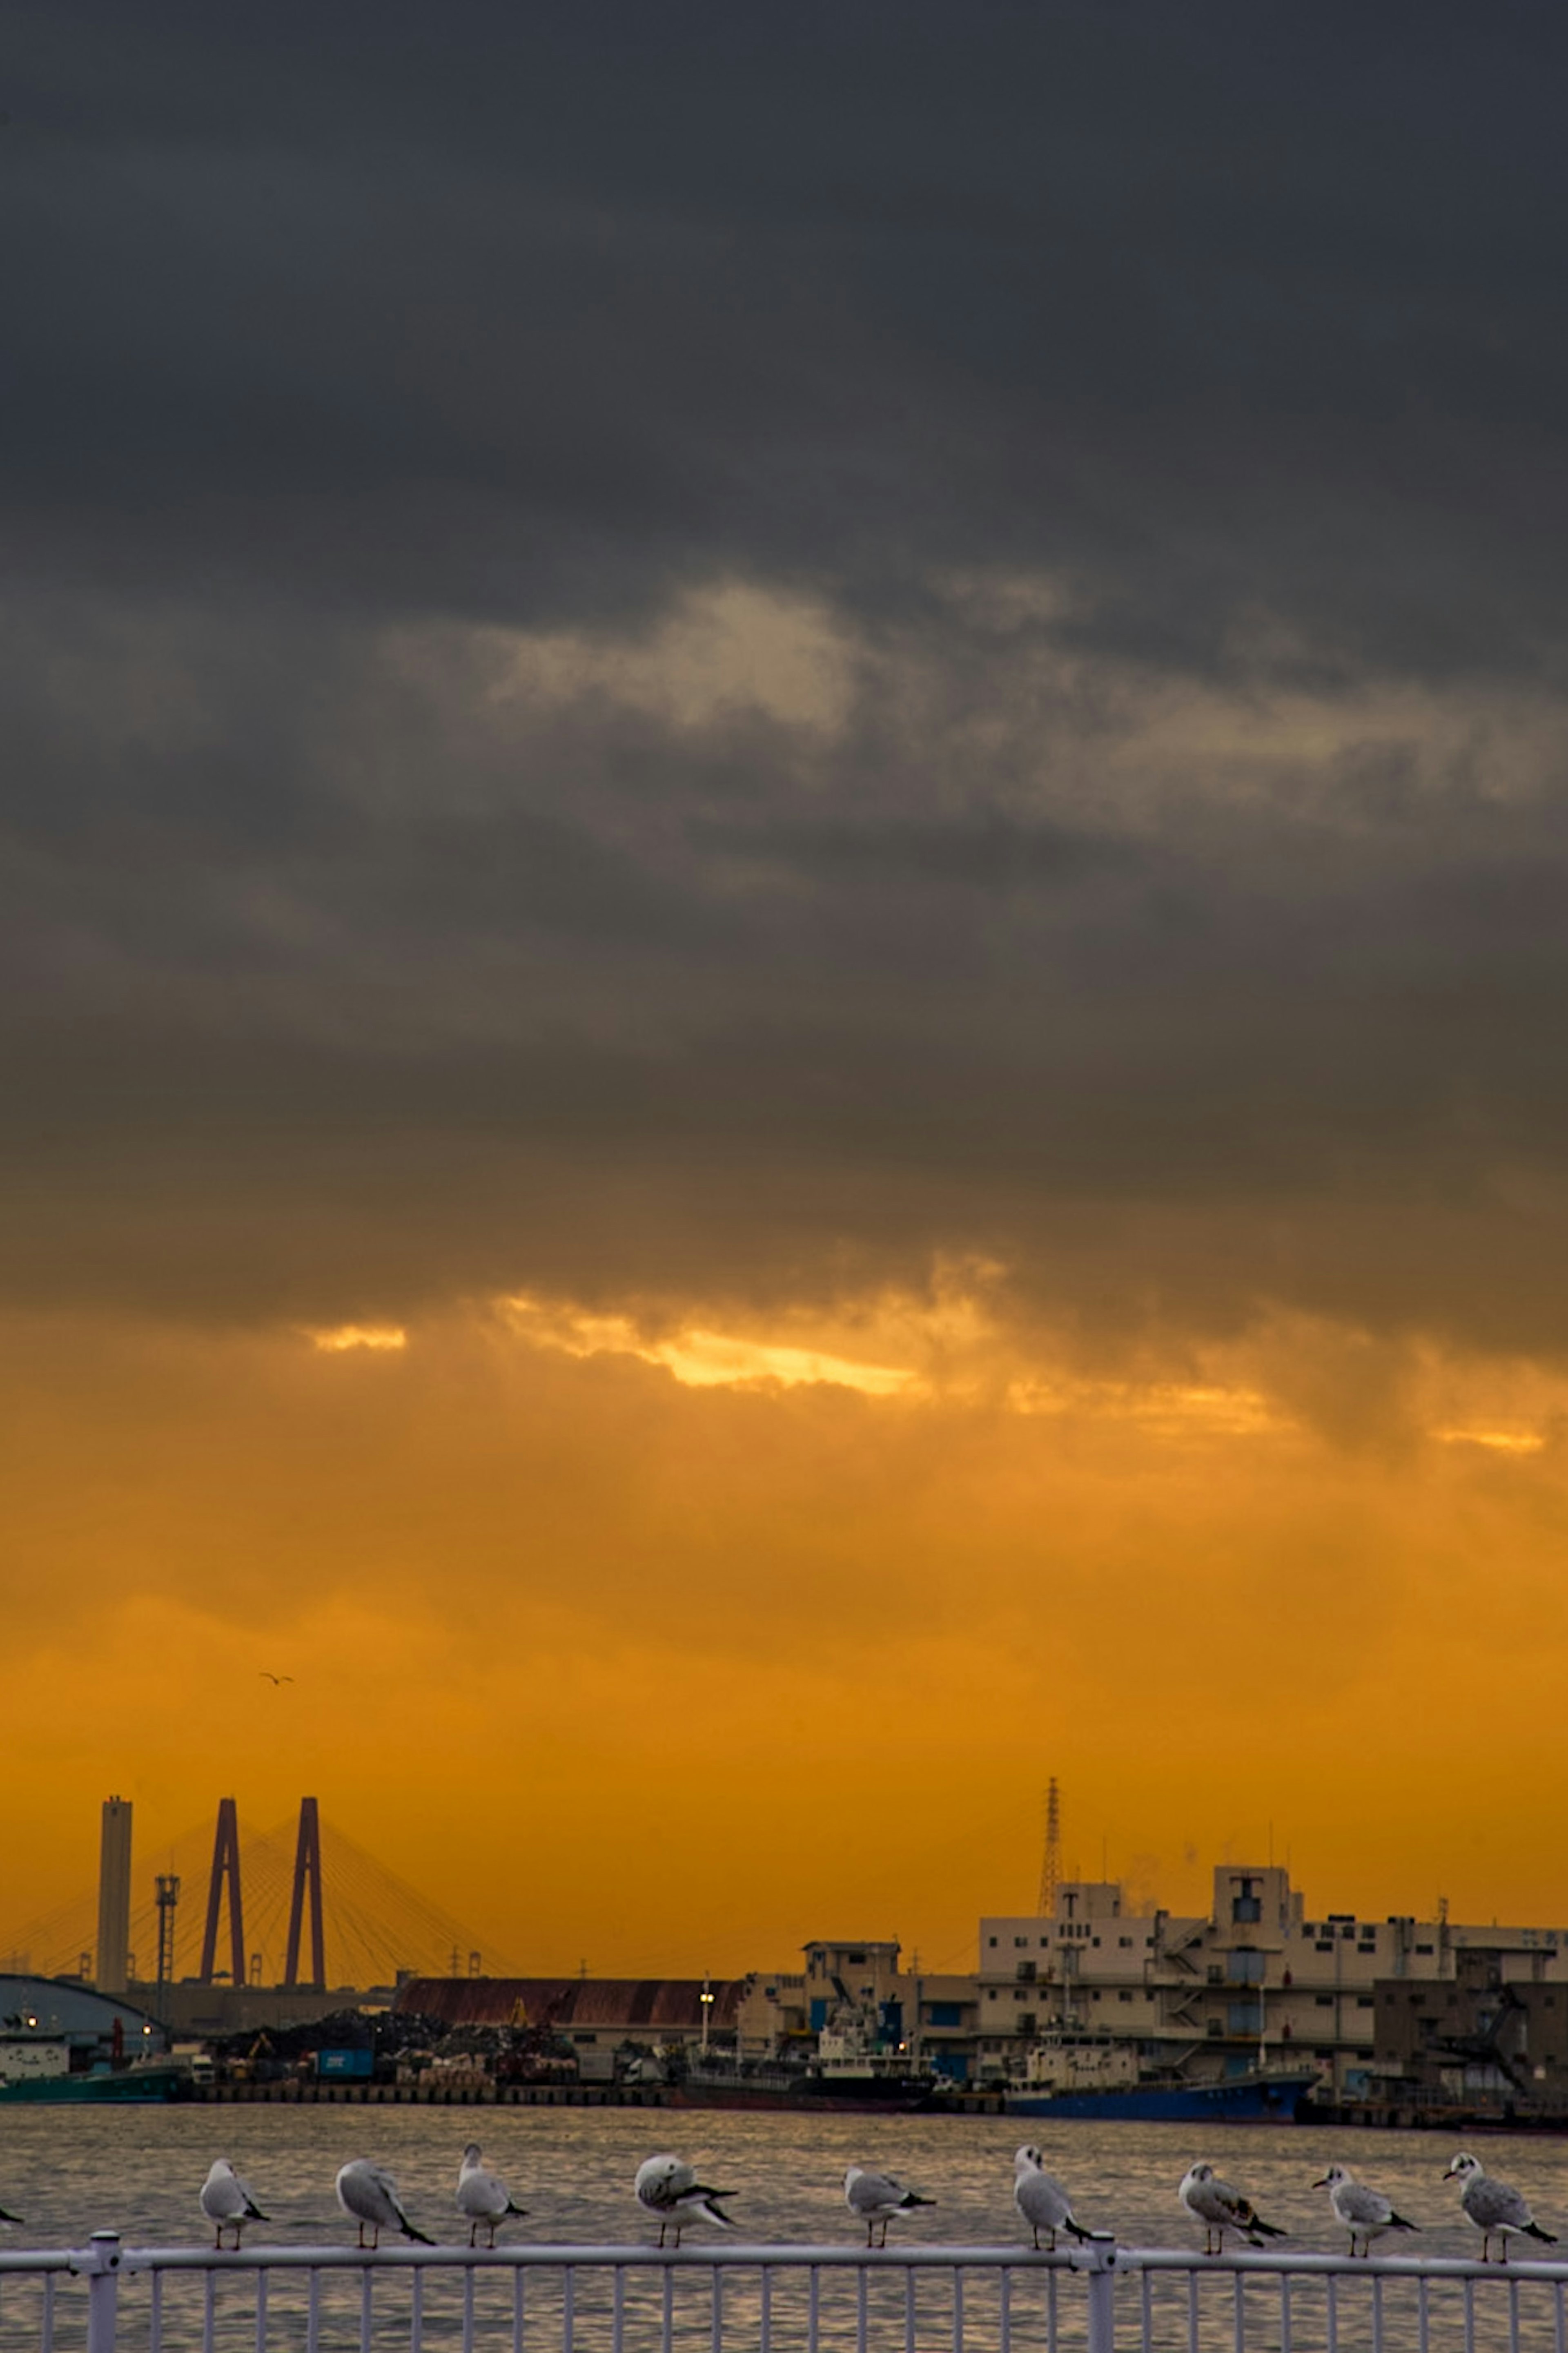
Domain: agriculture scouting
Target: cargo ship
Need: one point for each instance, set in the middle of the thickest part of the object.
(849, 2074)
(1084, 2077)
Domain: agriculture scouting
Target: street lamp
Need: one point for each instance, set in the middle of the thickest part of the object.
(707, 2000)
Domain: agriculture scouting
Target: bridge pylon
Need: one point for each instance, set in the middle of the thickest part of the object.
(307, 1870)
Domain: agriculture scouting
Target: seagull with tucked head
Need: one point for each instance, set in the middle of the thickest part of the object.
(1219, 2208)
(369, 2197)
(668, 2186)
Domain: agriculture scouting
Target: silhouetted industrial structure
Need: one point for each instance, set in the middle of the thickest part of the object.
(226, 1868)
(114, 1897)
(307, 1867)
(1051, 1862)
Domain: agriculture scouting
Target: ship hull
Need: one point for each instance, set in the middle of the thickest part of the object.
(91, 2090)
(874, 2095)
(1239, 2100)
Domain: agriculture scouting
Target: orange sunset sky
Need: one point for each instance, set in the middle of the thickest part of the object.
(781, 862)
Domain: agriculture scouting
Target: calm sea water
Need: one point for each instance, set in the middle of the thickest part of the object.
(69, 2172)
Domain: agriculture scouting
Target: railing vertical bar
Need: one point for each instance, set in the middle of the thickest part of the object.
(155, 2320)
(1512, 2314)
(1469, 2317)
(568, 2308)
(619, 2310)
(1333, 2288)
(957, 2310)
(467, 2309)
(860, 2329)
(1146, 2287)
(667, 2317)
(1559, 2322)
(813, 2296)
(1240, 2305)
(909, 2311)
(1052, 2316)
(47, 2342)
(263, 2281)
(1099, 2317)
(1191, 2312)
(1285, 2313)
(1004, 2310)
(209, 2309)
(102, 2290)
(518, 2310)
(417, 2311)
(717, 2339)
(313, 2313)
(1377, 2314)
(1424, 2319)
(366, 2309)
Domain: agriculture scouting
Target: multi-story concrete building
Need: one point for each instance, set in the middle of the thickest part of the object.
(1255, 1980)
(1492, 2027)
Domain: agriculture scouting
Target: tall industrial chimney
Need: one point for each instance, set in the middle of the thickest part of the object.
(114, 1896)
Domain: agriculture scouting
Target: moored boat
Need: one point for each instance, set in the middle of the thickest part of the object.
(1270, 2095)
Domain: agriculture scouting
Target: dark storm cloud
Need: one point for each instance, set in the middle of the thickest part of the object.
(1158, 424)
(527, 311)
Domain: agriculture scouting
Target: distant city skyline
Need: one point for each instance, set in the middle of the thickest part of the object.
(363, 1944)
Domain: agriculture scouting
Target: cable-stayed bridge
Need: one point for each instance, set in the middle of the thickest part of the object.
(300, 1904)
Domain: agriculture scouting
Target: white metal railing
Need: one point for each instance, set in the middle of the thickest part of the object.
(749, 2298)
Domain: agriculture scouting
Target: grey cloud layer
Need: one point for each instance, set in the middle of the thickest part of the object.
(1185, 930)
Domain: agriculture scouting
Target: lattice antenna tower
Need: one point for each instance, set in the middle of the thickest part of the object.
(1051, 1862)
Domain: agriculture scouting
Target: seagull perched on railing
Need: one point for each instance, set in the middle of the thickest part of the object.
(1365, 2213)
(226, 2199)
(483, 2195)
(1494, 2209)
(874, 2198)
(229, 2201)
(369, 2197)
(1041, 2199)
(668, 2188)
(1219, 2208)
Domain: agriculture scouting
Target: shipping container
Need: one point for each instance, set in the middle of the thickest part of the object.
(345, 2062)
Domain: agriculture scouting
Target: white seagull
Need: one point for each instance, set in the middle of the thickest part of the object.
(1494, 2209)
(369, 2197)
(874, 2198)
(1365, 2213)
(1041, 2199)
(1219, 2208)
(226, 2199)
(668, 2188)
(483, 2195)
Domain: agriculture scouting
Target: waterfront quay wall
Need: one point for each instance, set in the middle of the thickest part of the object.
(497, 2096)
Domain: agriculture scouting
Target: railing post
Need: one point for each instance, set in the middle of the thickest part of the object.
(1102, 2297)
(100, 2263)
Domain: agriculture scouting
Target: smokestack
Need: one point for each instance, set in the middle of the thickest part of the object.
(114, 1896)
